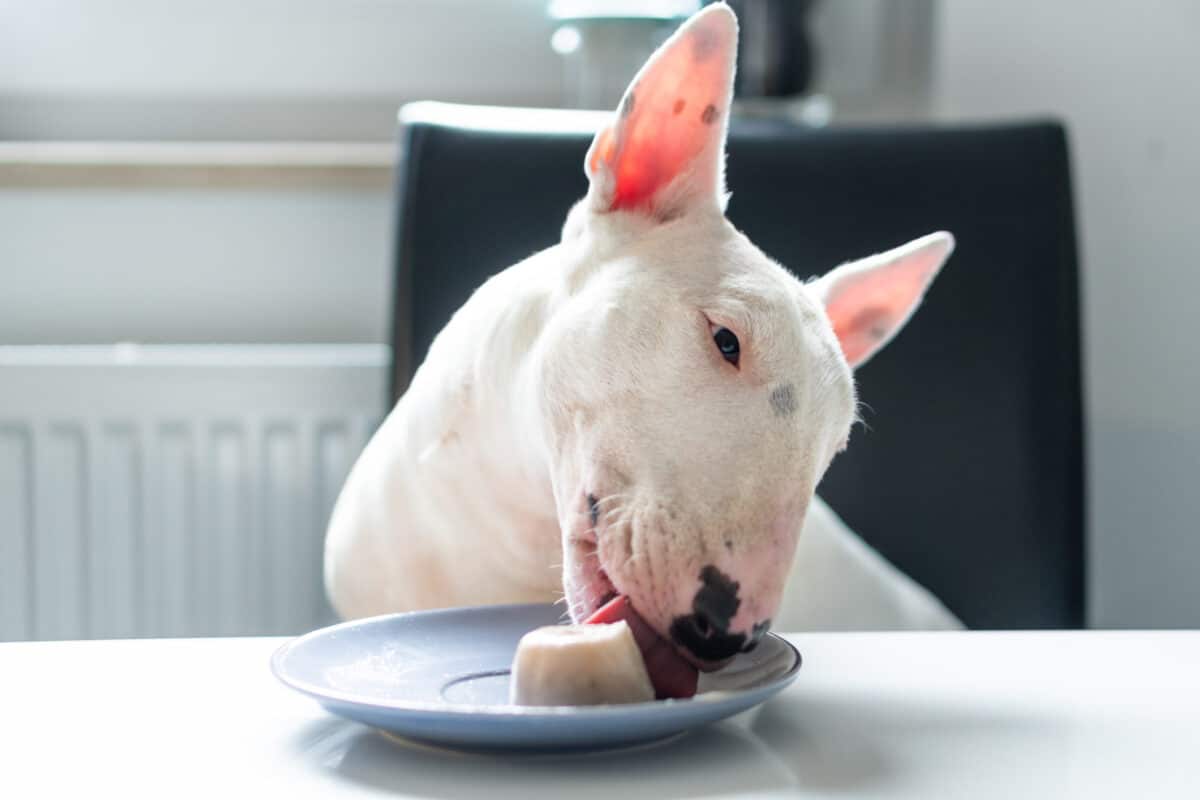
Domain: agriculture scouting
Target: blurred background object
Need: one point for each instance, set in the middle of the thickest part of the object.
(775, 57)
(776, 63)
(219, 172)
(603, 42)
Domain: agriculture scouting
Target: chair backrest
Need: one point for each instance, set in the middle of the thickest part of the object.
(969, 473)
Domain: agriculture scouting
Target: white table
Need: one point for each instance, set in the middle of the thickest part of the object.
(971, 715)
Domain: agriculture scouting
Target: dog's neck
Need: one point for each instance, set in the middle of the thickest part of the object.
(476, 434)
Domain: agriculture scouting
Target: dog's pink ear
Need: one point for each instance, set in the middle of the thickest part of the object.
(869, 301)
(664, 150)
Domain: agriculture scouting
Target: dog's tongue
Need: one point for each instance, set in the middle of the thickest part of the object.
(670, 673)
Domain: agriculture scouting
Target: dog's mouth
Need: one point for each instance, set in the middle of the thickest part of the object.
(670, 673)
(592, 595)
(592, 587)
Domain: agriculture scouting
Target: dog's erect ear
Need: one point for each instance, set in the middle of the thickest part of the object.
(869, 301)
(664, 151)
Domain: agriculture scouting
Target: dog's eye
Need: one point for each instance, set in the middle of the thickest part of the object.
(727, 343)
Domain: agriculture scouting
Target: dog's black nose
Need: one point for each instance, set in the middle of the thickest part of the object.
(705, 632)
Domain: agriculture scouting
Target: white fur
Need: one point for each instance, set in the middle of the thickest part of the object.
(590, 368)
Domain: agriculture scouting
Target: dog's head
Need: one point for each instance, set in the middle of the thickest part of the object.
(696, 391)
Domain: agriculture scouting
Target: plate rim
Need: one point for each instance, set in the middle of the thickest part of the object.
(507, 711)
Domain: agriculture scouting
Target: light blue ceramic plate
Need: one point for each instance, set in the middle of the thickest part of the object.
(441, 677)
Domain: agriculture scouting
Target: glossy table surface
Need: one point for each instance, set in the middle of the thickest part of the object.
(973, 715)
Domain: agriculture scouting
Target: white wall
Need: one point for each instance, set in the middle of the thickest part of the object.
(120, 249)
(197, 257)
(238, 69)
(1125, 77)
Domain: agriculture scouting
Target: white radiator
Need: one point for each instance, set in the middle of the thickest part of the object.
(174, 491)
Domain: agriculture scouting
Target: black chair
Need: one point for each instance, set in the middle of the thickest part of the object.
(969, 473)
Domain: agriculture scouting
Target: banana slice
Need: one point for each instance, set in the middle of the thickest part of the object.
(577, 665)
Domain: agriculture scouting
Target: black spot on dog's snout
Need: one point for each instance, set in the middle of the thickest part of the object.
(783, 400)
(705, 632)
(593, 509)
(677, 109)
(718, 596)
(709, 115)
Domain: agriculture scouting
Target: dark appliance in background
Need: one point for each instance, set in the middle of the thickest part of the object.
(776, 56)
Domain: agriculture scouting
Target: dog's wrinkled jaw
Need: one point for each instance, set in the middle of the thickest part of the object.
(586, 584)
(707, 574)
(712, 603)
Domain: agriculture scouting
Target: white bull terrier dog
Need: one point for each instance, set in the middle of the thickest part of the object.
(645, 408)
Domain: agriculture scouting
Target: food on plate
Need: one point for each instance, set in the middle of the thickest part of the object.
(614, 657)
(575, 665)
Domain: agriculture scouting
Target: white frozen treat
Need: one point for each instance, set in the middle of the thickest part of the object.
(578, 665)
